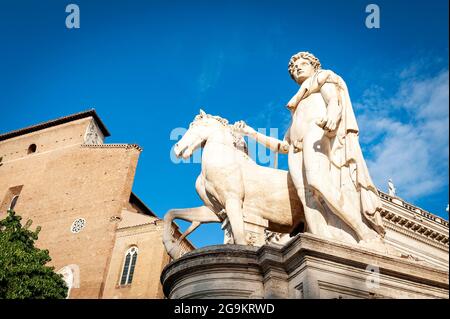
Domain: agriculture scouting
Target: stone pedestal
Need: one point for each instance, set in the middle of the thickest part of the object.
(306, 267)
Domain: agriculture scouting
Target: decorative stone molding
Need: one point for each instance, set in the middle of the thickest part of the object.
(126, 146)
(417, 236)
(137, 229)
(415, 230)
(413, 222)
(411, 208)
(423, 256)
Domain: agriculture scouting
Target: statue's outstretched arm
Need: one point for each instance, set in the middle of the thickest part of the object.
(271, 143)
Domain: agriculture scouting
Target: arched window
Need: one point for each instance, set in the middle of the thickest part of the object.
(13, 202)
(128, 266)
(32, 148)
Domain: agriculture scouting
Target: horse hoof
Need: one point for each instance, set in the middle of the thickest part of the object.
(175, 252)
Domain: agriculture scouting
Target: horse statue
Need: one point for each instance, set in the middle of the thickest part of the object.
(231, 184)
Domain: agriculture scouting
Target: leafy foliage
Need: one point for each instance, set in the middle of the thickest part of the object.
(23, 274)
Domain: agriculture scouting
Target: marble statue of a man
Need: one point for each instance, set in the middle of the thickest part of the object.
(324, 156)
(392, 189)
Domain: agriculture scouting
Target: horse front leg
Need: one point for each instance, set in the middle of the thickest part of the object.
(230, 189)
(196, 215)
(233, 207)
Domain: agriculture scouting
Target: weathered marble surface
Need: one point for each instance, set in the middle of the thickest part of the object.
(328, 190)
(307, 267)
(235, 191)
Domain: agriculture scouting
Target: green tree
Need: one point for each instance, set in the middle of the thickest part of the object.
(23, 274)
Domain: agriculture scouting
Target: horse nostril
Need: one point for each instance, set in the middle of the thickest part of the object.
(177, 150)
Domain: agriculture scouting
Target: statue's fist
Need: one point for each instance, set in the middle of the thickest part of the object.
(327, 123)
(243, 128)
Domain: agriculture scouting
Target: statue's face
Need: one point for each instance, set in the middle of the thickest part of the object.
(303, 69)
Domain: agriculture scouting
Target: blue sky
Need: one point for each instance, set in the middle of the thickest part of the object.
(148, 66)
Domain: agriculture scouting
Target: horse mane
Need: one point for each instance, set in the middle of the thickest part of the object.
(238, 139)
(221, 120)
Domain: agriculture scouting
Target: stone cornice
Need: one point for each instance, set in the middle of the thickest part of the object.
(412, 209)
(125, 146)
(154, 225)
(59, 121)
(411, 252)
(416, 236)
(415, 229)
(137, 229)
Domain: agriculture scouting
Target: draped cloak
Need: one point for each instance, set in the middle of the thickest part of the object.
(345, 148)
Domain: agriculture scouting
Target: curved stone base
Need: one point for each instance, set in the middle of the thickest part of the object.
(306, 267)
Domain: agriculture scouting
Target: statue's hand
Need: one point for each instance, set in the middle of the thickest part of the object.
(243, 128)
(327, 123)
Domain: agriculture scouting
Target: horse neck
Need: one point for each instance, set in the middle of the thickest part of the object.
(222, 141)
(221, 135)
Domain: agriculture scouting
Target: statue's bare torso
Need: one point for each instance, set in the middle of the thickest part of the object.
(305, 115)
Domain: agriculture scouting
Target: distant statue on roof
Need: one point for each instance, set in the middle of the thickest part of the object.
(391, 187)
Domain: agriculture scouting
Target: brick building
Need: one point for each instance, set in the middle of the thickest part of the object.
(104, 240)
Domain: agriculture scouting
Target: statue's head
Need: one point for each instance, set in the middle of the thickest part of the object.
(303, 65)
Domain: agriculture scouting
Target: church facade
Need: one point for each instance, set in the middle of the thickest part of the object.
(104, 240)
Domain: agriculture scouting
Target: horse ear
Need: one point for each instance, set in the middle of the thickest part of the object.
(202, 113)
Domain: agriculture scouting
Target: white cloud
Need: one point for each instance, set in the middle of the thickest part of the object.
(405, 137)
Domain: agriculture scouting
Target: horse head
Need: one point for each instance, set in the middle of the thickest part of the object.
(199, 130)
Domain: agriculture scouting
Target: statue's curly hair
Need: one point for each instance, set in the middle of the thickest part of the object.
(304, 55)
